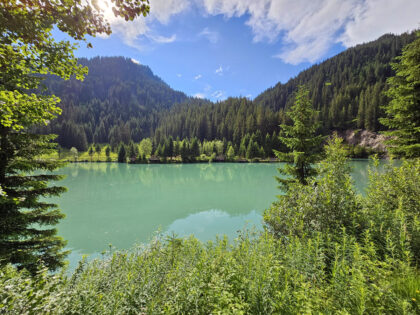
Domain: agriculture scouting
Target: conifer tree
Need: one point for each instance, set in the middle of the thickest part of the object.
(98, 150)
(403, 111)
(301, 139)
(108, 153)
(90, 151)
(26, 235)
(122, 154)
(28, 52)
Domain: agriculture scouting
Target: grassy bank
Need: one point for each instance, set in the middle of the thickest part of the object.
(255, 275)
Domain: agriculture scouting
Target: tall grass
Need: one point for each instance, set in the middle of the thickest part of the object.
(252, 275)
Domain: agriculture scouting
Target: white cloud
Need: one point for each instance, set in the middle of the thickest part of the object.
(212, 36)
(135, 61)
(218, 94)
(133, 32)
(162, 39)
(307, 27)
(179, 75)
(310, 28)
(377, 17)
(198, 76)
(199, 95)
(219, 70)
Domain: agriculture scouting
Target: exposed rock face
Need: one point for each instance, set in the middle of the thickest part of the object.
(365, 138)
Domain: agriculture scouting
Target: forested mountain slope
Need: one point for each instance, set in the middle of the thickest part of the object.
(123, 101)
(346, 89)
(118, 101)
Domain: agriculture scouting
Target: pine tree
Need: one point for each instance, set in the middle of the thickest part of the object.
(29, 53)
(26, 236)
(108, 153)
(301, 139)
(98, 150)
(403, 111)
(90, 152)
(195, 148)
(252, 150)
(122, 154)
(132, 154)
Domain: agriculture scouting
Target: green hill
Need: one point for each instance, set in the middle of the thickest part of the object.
(123, 101)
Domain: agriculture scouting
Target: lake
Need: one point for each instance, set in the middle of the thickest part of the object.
(122, 204)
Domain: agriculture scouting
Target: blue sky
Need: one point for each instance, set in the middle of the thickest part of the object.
(220, 48)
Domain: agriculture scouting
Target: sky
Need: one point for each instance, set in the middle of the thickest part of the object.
(219, 48)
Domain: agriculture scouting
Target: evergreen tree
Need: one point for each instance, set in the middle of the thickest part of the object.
(29, 52)
(170, 147)
(98, 150)
(26, 236)
(252, 150)
(108, 153)
(301, 139)
(195, 148)
(90, 151)
(122, 154)
(185, 151)
(403, 111)
(132, 154)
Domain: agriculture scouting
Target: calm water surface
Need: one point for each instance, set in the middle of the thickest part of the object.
(121, 204)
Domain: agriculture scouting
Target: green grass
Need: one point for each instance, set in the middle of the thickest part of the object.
(252, 275)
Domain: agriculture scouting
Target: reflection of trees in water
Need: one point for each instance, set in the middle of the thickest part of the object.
(199, 175)
(121, 203)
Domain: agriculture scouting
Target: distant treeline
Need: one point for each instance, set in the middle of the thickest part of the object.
(120, 101)
(252, 147)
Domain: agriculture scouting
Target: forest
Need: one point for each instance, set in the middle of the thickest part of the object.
(132, 103)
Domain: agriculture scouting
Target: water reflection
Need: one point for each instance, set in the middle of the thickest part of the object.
(206, 224)
(123, 204)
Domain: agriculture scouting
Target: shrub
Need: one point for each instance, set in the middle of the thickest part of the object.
(392, 208)
(328, 204)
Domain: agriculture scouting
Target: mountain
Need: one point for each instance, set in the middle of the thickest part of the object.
(123, 101)
(119, 100)
(346, 89)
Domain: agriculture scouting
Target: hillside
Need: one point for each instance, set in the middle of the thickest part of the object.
(123, 101)
(347, 89)
(119, 100)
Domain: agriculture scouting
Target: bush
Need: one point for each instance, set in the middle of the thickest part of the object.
(253, 275)
(392, 209)
(328, 204)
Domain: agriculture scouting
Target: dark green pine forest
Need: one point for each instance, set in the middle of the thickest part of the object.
(120, 101)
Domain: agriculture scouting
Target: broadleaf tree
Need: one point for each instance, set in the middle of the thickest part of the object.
(28, 52)
(403, 111)
(302, 141)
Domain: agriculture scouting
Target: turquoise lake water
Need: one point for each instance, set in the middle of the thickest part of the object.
(122, 204)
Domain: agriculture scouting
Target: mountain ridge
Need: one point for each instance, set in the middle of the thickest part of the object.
(120, 101)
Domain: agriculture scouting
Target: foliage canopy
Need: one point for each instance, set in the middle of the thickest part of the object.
(28, 52)
(301, 139)
(403, 111)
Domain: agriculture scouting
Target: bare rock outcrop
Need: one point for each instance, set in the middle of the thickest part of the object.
(365, 138)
